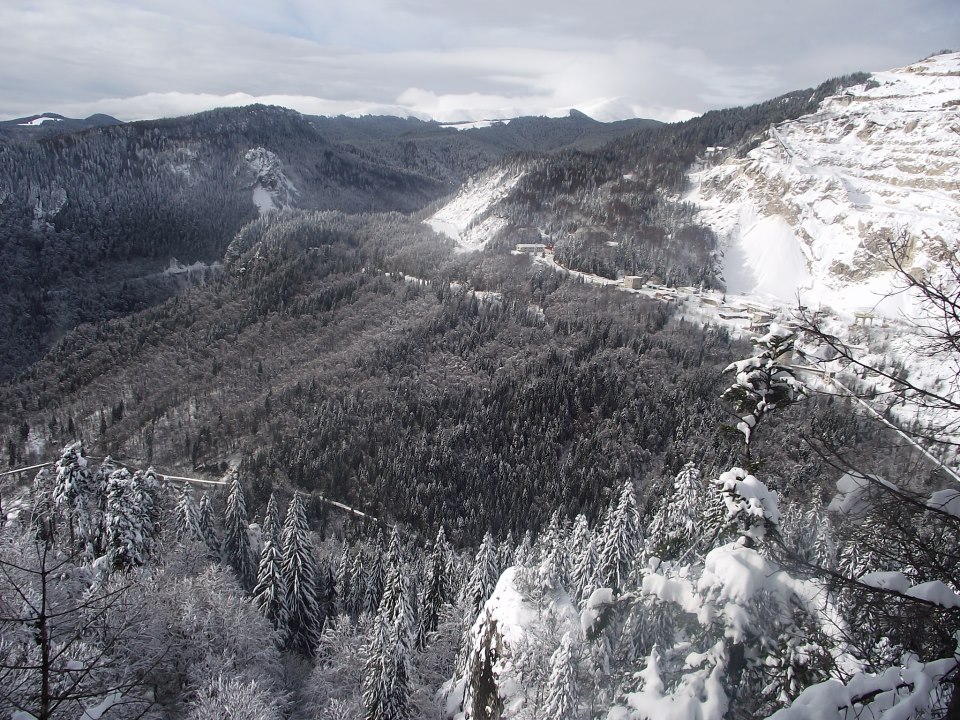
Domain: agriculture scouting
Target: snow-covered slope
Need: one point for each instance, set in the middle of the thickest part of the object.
(810, 210)
(468, 218)
(272, 189)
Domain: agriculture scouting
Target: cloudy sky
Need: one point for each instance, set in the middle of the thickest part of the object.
(447, 59)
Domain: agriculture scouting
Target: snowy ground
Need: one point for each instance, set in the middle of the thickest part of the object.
(809, 210)
(468, 218)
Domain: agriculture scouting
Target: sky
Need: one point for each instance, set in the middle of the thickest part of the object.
(449, 60)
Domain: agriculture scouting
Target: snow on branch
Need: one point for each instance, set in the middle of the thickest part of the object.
(898, 693)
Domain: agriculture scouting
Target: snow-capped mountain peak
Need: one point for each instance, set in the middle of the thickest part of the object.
(811, 209)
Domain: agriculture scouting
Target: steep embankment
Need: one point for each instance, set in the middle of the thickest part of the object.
(811, 210)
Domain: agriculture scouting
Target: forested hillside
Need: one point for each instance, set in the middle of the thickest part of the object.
(91, 218)
(617, 210)
(331, 466)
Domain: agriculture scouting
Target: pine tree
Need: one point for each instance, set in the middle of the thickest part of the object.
(207, 525)
(236, 537)
(343, 582)
(74, 496)
(483, 577)
(438, 590)
(584, 552)
(373, 591)
(272, 525)
(553, 555)
(620, 541)
(482, 696)
(188, 515)
(679, 524)
(304, 623)
(386, 675)
(129, 532)
(358, 586)
(561, 700)
(270, 594)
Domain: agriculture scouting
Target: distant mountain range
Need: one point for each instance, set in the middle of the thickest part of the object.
(46, 124)
(92, 211)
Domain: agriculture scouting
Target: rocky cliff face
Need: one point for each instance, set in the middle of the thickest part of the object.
(811, 209)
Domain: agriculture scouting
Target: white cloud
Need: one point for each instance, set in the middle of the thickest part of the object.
(141, 58)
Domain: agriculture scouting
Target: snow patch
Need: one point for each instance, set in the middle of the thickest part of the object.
(809, 211)
(469, 218)
(39, 121)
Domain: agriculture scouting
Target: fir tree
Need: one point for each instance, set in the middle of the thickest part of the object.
(482, 696)
(272, 525)
(73, 495)
(483, 577)
(188, 515)
(236, 535)
(584, 552)
(129, 532)
(620, 541)
(270, 595)
(386, 689)
(304, 623)
(207, 525)
(679, 524)
(358, 586)
(438, 590)
(561, 700)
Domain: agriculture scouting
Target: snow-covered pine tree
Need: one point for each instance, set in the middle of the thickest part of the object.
(620, 541)
(270, 595)
(208, 526)
(481, 699)
(342, 577)
(304, 623)
(523, 553)
(272, 524)
(438, 590)
(397, 606)
(128, 529)
(561, 701)
(74, 496)
(583, 551)
(483, 577)
(382, 700)
(236, 537)
(553, 554)
(327, 594)
(188, 515)
(763, 383)
(358, 586)
(375, 577)
(146, 497)
(678, 526)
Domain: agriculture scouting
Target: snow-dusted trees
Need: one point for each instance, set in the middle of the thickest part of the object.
(75, 496)
(483, 576)
(438, 588)
(583, 550)
(621, 540)
(272, 525)
(303, 620)
(680, 524)
(269, 594)
(236, 535)
(188, 515)
(230, 697)
(130, 518)
(208, 525)
(561, 701)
